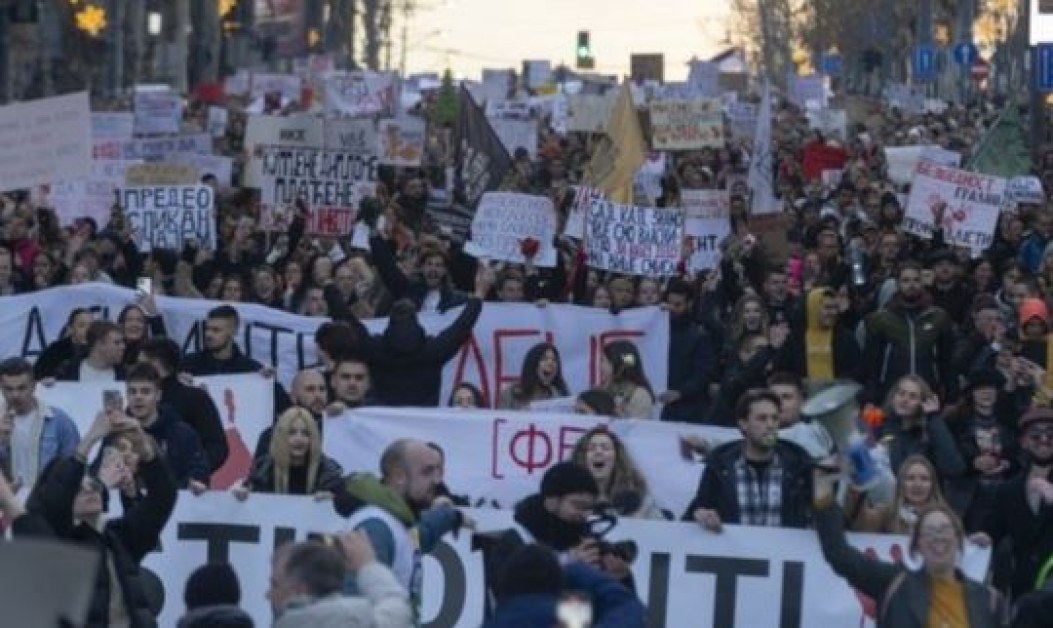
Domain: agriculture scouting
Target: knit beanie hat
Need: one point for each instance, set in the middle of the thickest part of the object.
(531, 569)
(566, 478)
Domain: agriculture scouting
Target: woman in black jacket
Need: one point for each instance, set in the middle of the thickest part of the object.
(294, 463)
(937, 594)
(72, 344)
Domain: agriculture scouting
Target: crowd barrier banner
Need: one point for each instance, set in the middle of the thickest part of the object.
(491, 358)
(245, 404)
(497, 457)
(743, 577)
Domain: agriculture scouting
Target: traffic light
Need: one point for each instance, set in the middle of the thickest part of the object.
(585, 60)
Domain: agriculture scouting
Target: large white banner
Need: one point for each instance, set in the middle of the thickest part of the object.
(245, 404)
(44, 140)
(964, 204)
(490, 359)
(741, 578)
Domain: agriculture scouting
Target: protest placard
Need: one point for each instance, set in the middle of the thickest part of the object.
(964, 204)
(831, 122)
(45, 140)
(289, 86)
(588, 113)
(331, 183)
(742, 121)
(575, 224)
(818, 157)
(90, 197)
(537, 73)
(112, 125)
(902, 160)
(517, 134)
(686, 124)
(299, 130)
(808, 91)
(360, 93)
(215, 165)
(160, 173)
(238, 84)
(217, 121)
(505, 221)
(647, 182)
(158, 110)
(634, 240)
(1025, 190)
(162, 148)
(942, 156)
(351, 136)
(170, 216)
(706, 222)
(704, 77)
(401, 142)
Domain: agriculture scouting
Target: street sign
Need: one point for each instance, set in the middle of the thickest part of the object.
(924, 62)
(965, 53)
(1044, 67)
(831, 64)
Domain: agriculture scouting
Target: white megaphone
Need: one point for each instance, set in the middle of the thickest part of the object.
(837, 410)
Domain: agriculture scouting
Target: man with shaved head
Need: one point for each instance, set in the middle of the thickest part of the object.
(308, 392)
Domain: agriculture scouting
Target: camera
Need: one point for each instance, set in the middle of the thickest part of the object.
(600, 523)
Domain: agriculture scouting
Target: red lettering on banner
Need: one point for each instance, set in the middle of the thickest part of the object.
(523, 449)
(569, 436)
(500, 378)
(531, 448)
(598, 342)
(471, 346)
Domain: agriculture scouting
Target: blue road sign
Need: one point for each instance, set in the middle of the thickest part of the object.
(924, 62)
(831, 64)
(1044, 67)
(965, 53)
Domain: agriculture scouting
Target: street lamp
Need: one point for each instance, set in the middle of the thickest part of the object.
(154, 23)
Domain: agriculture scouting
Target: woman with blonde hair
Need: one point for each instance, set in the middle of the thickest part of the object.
(621, 484)
(294, 463)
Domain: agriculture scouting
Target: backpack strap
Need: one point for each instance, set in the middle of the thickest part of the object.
(893, 586)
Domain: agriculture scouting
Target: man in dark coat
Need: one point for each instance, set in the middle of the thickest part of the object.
(692, 359)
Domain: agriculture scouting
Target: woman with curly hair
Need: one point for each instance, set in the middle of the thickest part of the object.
(540, 378)
(622, 375)
(621, 484)
(294, 464)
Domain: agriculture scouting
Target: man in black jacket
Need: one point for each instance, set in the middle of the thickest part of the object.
(692, 359)
(773, 475)
(72, 503)
(432, 293)
(193, 405)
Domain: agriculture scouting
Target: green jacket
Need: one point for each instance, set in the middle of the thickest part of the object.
(902, 340)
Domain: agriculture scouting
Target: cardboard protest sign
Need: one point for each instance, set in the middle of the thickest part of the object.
(1026, 190)
(162, 148)
(966, 204)
(588, 113)
(160, 173)
(92, 196)
(706, 222)
(45, 140)
(351, 136)
(217, 121)
(574, 227)
(686, 124)
(504, 221)
(331, 183)
(401, 142)
(517, 134)
(169, 217)
(263, 84)
(301, 130)
(634, 240)
(158, 111)
(360, 94)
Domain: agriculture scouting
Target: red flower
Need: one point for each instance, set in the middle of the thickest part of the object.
(529, 247)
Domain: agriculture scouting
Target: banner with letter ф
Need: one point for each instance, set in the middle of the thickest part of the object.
(748, 577)
(491, 359)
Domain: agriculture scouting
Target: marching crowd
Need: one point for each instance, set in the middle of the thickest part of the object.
(948, 354)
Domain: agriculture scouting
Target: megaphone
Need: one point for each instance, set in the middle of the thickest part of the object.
(837, 411)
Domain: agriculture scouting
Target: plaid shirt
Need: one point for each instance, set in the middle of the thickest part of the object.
(760, 495)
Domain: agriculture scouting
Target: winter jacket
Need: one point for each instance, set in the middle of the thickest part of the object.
(931, 438)
(845, 350)
(261, 477)
(194, 407)
(204, 363)
(902, 340)
(220, 616)
(1032, 248)
(693, 363)
(613, 605)
(125, 540)
(718, 489)
(902, 596)
(180, 447)
(737, 379)
(382, 604)
(1031, 533)
(400, 286)
(54, 356)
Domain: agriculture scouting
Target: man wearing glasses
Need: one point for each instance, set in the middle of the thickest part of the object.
(1024, 510)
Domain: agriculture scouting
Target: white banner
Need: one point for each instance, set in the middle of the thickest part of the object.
(967, 203)
(743, 577)
(401, 142)
(490, 359)
(686, 124)
(634, 240)
(359, 94)
(245, 404)
(42, 141)
(167, 217)
(162, 148)
(516, 134)
(706, 221)
(157, 111)
(505, 220)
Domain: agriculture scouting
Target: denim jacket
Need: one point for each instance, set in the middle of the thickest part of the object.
(59, 437)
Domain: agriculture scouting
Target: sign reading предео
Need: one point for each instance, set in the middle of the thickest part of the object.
(170, 216)
(634, 240)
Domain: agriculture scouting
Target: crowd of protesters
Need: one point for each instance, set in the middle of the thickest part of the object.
(952, 350)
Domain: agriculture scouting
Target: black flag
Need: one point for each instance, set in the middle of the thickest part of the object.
(481, 159)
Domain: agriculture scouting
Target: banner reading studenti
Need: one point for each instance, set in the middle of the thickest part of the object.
(491, 358)
(741, 578)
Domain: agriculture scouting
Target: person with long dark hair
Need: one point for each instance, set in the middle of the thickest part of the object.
(72, 344)
(540, 378)
(623, 377)
(140, 321)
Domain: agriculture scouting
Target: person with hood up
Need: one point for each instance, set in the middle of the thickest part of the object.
(406, 363)
(1035, 339)
(826, 349)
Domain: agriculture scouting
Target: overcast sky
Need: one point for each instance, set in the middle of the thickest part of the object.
(469, 35)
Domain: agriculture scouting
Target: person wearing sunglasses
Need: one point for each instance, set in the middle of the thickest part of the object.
(1025, 503)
